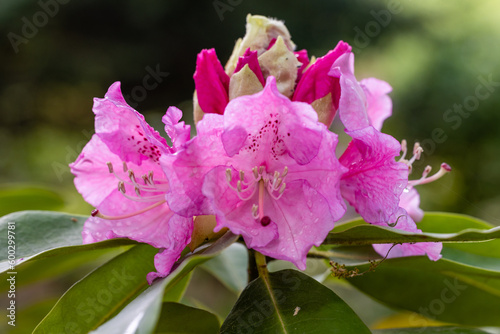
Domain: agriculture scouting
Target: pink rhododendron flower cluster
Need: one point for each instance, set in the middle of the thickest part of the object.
(263, 160)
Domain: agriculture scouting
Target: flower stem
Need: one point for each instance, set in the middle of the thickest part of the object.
(260, 260)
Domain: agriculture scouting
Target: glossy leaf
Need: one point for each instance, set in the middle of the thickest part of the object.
(44, 234)
(360, 233)
(98, 296)
(463, 287)
(142, 314)
(230, 267)
(289, 301)
(177, 318)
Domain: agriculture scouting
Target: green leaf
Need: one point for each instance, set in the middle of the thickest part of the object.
(41, 234)
(18, 198)
(230, 267)
(289, 301)
(430, 330)
(101, 294)
(463, 287)
(142, 314)
(360, 233)
(35, 269)
(177, 318)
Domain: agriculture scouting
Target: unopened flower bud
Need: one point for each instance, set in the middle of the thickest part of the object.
(260, 31)
(282, 64)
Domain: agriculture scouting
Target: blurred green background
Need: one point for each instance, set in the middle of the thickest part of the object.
(435, 54)
(56, 56)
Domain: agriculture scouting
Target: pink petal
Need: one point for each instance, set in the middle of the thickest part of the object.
(186, 169)
(124, 130)
(303, 219)
(379, 104)
(316, 82)
(92, 177)
(410, 201)
(405, 223)
(211, 83)
(375, 180)
(178, 132)
(323, 173)
(153, 226)
(267, 125)
(250, 58)
(352, 104)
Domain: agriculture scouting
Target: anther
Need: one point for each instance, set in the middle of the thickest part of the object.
(238, 185)
(255, 173)
(131, 175)
(242, 175)
(282, 189)
(228, 175)
(121, 187)
(261, 170)
(137, 191)
(110, 167)
(94, 212)
(285, 172)
(278, 183)
(125, 167)
(145, 179)
(150, 176)
(255, 211)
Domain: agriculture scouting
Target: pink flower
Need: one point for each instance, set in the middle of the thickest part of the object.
(375, 180)
(268, 51)
(119, 173)
(403, 221)
(267, 170)
(377, 185)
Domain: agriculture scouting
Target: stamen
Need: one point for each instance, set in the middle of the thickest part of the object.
(404, 149)
(255, 173)
(137, 191)
(228, 175)
(285, 172)
(445, 168)
(278, 183)
(121, 187)
(125, 167)
(282, 189)
(110, 167)
(238, 186)
(131, 176)
(242, 175)
(417, 152)
(255, 212)
(150, 176)
(96, 213)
